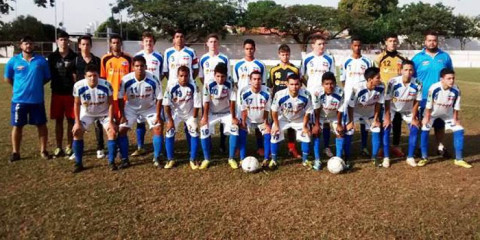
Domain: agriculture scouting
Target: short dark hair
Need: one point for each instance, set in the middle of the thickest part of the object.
(139, 59)
(148, 34)
(221, 68)
(87, 37)
(91, 68)
(183, 69)
(408, 62)
(212, 35)
(446, 71)
(249, 41)
(26, 39)
(315, 37)
(371, 72)
(355, 39)
(178, 31)
(328, 76)
(293, 76)
(391, 35)
(254, 73)
(284, 48)
(63, 34)
(431, 33)
(115, 36)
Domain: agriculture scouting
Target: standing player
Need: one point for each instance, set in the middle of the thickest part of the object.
(62, 68)
(352, 73)
(181, 102)
(179, 55)
(255, 109)
(428, 64)
(291, 108)
(155, 66)
(364, 100)
(208, 62)
(143, 93)
(83, 59)
(277, 81)
(27, 72)
(93, 102)
(443, 103)
(241, 77)
(219, 107)
(114, 66)
(328, 115)
(403, 96)
(390, 63)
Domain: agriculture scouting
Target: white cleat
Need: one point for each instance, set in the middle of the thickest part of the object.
(411, 162)
(100, 154)
(72, 157)
(386, 162)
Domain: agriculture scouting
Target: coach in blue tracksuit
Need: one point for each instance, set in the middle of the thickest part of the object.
(27, 72)
(428, 64)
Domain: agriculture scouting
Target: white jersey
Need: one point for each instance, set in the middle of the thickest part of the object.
(292, 109)
(442, 102)
(243, 69)
(313, 67)
(154, 62)
(182, 99)
(208, 64)
(330, 104)
(141, 94)
(174, 59)
(363, 100)
(255, 103)
(219, 96)
(94, 101)
(403, 95)
(352, 71)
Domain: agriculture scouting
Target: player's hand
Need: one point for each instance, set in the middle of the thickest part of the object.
(349, 126)
(204, 121)
(111, 124)
(306, 130)
(268, 129)
(170, 125)
(235, 121)
(376, 123)
(158, 120)
(77, 128)
(386, 122)
(123, 120)
(274, 130)
(316, 129)
(340, 130)
(415, 123)
(425, 121)
(456, 122)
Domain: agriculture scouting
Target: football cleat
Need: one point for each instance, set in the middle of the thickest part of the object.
(317, 165)
(138, 152)
(100, 154)
(273, 164)
(422, 162)
(307, 164)
(193, 166)
(112, 166)
(204, 164)
(78, 168)
(365, 152)
(386, 162)
(462, 163)
(125, 164)
(68, 151)
(233, 164)
(411, 162)
(14, 157)
(58, 152)
(45, 155)
(170, 164)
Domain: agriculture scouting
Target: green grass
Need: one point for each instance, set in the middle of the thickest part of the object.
(43, 199)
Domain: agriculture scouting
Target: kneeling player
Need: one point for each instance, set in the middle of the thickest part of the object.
(219, 107)
(291, 108)
(144, 100)
(328, 115)
(403, 97)
(93, 101)
(443, 105)
(363, 102)
(255, 107)
(181, 102)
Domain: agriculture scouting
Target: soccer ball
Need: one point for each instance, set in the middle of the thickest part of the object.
(335, 165)
(250, 164)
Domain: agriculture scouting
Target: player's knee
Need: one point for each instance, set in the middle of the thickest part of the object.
(111, 133)
(157, 130)
(123, 131)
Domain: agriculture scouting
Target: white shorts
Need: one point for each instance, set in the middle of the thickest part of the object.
(449, 125)
(88, 120)
(191, 123)
(150, 115)
(406, 116)
(284, 125)
(225, 119)
(253, 126)
(368, 121)
(333, 124)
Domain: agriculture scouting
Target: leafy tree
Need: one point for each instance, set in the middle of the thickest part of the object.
(6, 5)
(28, 25)
(264, 14)
(370, 8)
(465, 28)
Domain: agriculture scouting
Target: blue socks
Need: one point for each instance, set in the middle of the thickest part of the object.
(424, 143)
(305, 150)
(193, 148)
(458, 141)
(232, 144)
(112, 150)
(169, 144)
(375, 144)
(364, 135)
(157, 145)
(242, 143)
(78, 151)
(141, 130)
(316, 147)
(123, 144)
(412, 141)
(347, 145)
(339, 146)
(326, 137)
(386, 142)
(266, 145)
(206, 146)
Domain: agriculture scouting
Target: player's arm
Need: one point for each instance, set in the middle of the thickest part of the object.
(316, 111)
(76, 110)
(206, 106)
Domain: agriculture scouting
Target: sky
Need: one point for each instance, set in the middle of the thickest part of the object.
(77, 14)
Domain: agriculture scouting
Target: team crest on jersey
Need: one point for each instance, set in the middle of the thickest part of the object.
(207, 65)
(148, 88)
(363, 67)
(425, 63)
(155, 62)
(325, 64)
(101, 96)
(125, 63)
(20, 68)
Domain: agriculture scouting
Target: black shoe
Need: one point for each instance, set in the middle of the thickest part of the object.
(348, 165)
(157, 163)
(444, 153)
(78, 168)
(125, 164)
(45, 155)
(14, 157)
(112, 166)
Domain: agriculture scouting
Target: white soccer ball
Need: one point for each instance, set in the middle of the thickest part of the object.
(335, 165)
(250, 164)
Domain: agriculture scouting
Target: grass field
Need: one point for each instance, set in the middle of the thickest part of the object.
(43, 199)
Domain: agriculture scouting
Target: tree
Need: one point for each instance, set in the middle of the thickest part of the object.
(370, 8)
(28, 25)
(197, 18)
(263, 14)
(465, 28)
(6, 5)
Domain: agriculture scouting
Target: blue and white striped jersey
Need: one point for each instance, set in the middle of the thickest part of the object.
(443, 101)
(363, 100)
(208, 64)
(141, 94)
(182, 99)
(352, 71)
(219, 96)
(242, 70)
(292, 109)
(94, 101)
(154, 62)
(403, 95)
(313, 68)
(174, 59)
(255, 103)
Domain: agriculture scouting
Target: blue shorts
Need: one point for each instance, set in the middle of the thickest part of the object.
(28, 113)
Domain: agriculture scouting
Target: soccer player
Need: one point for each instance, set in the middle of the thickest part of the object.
(277, 81)
(219, 99)
(179, 55)
(390, 63)
(83, 59)
(181, 102)
(27, 72)
(291, 108)
(364, 100)
(403, 97)
(155, 66)
(143, 93)
(352, 72)
(62, 68)
(328, 115)
(241, 78)
(93, 101)
(114, 66)
(428, 64)
(443, 103)
(208, 62)
(255, 109)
